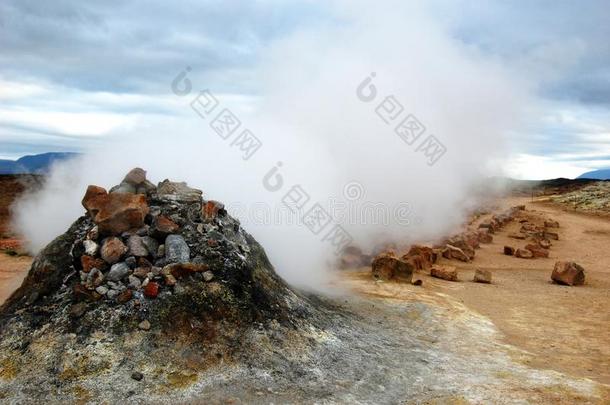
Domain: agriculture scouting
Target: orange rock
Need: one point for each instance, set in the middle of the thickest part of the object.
(163, 226)
(387, 266)
(448, 273)
(485, 236)
(117, 212)
(180, 270)
(89, 262)
(537, 251)
(210, 210)
(568, 273)
(452, 252)
(524, 254)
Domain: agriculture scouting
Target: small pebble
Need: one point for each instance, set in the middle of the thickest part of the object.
(136, 375)
(144, 325)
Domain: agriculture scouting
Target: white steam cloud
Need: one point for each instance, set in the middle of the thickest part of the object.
(328, 140)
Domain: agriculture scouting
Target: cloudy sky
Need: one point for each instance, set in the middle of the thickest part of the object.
(74, 73)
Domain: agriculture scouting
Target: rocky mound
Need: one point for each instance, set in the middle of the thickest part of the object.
(153, 286)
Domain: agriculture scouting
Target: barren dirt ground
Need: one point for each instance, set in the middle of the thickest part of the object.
(566, 329)
(13, 269)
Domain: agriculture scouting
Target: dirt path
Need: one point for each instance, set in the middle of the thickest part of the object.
(566, 329)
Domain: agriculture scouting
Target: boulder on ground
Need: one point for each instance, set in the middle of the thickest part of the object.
(524, 254)
(485, 236)
(568, 273)
(452, 252)
(482, 276)
(448, 273)
(520, 236)
(420, 257)
(115, 213)
(537, 251)
(509, 250)
(387, 266)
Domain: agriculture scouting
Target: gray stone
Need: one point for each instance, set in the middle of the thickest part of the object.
(146, 188)
(118, 271)
(178, 191)
(101, 290)
(112, 294)
(152, 246)
(131, 262)
(161, 251)
(94, 279)
(134, 282)
(123, 188)
(208, 276)
(136, 246)
(176, 249)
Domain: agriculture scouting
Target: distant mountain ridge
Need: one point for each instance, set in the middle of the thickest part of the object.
(34, 163)
(602, 174)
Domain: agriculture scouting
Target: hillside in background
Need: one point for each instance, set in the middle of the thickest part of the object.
(602, 174)
(34, 163)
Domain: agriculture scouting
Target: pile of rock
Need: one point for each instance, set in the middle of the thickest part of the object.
(134, 250)
(388, 265)
(540, 238)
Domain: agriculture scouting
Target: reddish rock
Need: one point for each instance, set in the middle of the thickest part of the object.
(459, 241)
(517, 236)
(568, 273)
(543, 243)
(89, 263)
(151, 290)
(487, 225)
(112, 250)
(142, 262)
(485, 236)
(163, 226)
(482, 276)
(141, 272)
(452, 252)
(420, 257)
(180, 270)
(115, 213)
(524, 254)
(473, 239)
(81, 293)
(210, 210)
(509, 250)
(551, 224)
(387, 266)
(537, 251)
(124, 296)
(448, 273)
(418, 282)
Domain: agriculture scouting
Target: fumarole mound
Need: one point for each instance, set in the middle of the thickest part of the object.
(146, 293)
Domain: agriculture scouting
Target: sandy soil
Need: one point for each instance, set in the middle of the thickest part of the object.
(566, 329)
(13, 270)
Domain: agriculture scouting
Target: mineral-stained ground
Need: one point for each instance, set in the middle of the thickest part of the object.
(184, 307)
